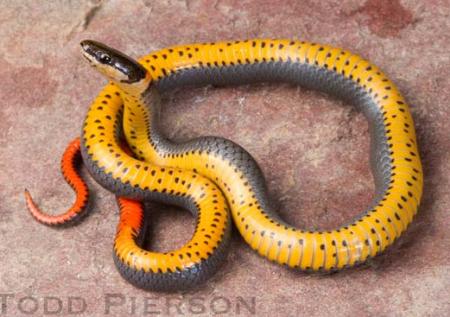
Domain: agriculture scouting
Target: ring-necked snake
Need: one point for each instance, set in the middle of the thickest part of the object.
(134, 90)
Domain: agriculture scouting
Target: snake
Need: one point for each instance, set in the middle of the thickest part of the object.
(160, 169)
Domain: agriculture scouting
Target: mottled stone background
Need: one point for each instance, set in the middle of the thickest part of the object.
(313, 150)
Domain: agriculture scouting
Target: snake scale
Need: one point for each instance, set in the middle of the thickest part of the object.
(213, 176)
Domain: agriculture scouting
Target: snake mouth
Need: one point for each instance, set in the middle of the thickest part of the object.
(112, 63)
(88, 59)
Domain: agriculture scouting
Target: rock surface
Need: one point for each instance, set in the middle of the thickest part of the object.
(313, 150)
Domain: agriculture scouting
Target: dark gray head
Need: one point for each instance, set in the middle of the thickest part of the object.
(112, 63)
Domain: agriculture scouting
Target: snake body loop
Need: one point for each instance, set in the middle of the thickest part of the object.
(394, 156)
(117, 170)
(179, 269)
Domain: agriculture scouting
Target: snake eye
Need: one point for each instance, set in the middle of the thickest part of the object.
(104, 58)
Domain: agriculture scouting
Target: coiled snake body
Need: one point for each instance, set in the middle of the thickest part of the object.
(209, 173)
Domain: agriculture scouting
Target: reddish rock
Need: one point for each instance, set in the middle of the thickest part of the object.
(386, 18)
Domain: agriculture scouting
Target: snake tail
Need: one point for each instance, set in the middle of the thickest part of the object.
(79, 208)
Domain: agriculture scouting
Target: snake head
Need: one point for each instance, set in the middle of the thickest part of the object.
(113, 64)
